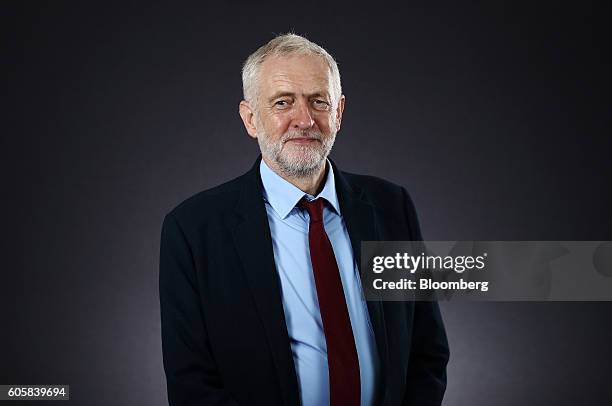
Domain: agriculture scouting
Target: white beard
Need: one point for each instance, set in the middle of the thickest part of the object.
(298, 161)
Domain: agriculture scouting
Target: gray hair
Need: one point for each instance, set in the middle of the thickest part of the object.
(283, 45)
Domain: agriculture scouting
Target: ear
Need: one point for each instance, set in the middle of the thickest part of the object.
(339, 111)
(248, 118)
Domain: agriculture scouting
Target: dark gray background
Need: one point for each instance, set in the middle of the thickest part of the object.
(495, 117)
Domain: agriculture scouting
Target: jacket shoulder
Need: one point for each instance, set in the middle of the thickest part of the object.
(392, 201)
(215, 201)
(374, 188)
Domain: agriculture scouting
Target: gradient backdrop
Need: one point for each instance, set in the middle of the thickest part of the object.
(495, 117)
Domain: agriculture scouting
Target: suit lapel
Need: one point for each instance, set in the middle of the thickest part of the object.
(254, 245)
(360, 221)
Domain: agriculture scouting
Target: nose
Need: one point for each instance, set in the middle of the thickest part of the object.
(302, 117)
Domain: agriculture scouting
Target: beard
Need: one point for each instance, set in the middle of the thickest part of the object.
(296, 160)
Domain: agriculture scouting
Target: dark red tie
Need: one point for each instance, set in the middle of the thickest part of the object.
(342, 361)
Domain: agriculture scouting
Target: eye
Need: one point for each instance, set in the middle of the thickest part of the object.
(320, 104)
(281, 104)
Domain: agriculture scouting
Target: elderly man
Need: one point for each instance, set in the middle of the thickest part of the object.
(261, 300)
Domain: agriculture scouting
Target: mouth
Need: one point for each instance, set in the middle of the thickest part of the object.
(302, 140)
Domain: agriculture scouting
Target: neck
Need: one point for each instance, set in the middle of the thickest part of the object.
(308, 184)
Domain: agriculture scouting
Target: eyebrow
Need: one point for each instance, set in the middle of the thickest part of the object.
(291, 94)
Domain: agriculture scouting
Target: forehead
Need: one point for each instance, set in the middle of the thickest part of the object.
(305, 73)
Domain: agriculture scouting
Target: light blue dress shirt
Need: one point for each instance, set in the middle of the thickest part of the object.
(289, 229)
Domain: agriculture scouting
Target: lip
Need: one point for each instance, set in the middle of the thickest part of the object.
(302, 140)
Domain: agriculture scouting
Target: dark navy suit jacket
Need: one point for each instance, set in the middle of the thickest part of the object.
(224, 336)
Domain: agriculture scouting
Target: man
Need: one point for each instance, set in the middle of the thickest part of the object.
(261, 300)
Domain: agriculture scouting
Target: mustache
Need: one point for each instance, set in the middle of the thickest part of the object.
(314, 135)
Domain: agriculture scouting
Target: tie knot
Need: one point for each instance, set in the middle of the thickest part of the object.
(314, 208)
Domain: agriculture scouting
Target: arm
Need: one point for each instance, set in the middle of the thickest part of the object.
(191, 373)
(429, 353)
(426, 375)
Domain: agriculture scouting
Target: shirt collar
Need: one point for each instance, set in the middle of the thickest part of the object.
(283, 196)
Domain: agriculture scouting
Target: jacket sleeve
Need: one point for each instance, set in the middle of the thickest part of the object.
(191, 373)
(426, 375)
(429, 353)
